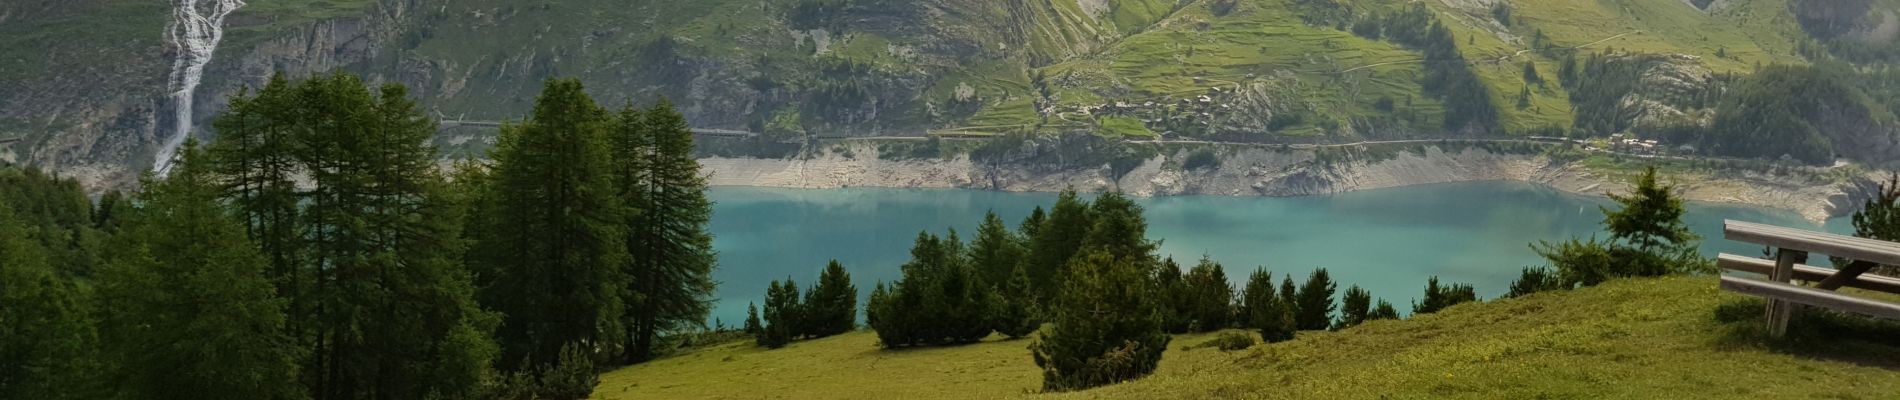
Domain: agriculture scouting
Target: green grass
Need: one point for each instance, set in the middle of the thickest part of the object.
(1674, 338)
(1123, 127)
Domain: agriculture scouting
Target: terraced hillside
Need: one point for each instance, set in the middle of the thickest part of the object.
(83, 83)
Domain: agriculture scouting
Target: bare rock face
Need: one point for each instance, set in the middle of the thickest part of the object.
(1661, 99)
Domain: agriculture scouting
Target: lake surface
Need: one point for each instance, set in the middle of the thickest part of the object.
(1388, 241)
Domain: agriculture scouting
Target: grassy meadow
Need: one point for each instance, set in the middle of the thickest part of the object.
(1673, 338)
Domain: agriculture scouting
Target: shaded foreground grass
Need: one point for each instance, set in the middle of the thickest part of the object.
(1675, 337)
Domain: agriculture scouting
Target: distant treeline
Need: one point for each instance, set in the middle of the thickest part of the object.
(1083, 280)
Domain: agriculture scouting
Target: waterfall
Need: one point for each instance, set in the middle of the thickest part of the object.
(196, 34)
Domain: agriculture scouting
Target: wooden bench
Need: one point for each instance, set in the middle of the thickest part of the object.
(1791, 249)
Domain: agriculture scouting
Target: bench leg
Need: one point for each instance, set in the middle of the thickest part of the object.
(1779, 310)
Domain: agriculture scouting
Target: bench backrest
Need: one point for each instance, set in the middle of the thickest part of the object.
(1854, 248)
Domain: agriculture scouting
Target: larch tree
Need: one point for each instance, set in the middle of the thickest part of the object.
(672, 256)
(47, 339)
(558, 237)
(188, 311)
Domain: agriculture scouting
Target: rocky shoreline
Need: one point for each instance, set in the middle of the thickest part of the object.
(1260, 171)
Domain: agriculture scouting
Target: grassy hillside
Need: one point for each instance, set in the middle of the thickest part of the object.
(1675, 338)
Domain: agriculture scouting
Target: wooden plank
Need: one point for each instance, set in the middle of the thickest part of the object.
(1779, 310)
(1806, 272)
(1859, 249)
(1847, 274)
(1812, 297)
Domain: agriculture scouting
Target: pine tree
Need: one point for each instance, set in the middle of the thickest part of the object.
(1316, 302)
(996, 251)
(1031, 227)
(672, 251)
(1290, 298)
(1172, 295)
(832, 306)
(1650, 218)
(1017, 317)
(1356, 308)
(752, 325)
(1119, 229)
(47, 341)
(558, 237)
(1057, 240)
(191, 313)
(1439, 297)
(782, 314)
(1264, 310)
(1211, 296)
(1105, 328)
(1383, 311)
(940, 300)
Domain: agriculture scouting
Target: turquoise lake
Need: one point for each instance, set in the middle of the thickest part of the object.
(1388, 241)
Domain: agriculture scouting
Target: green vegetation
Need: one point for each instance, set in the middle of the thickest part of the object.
(941, 299)
(317, 251)
(1647, 238)
(1313, 304)
(1577, 343)
(1439, 297)
(1879, 218)
(830, 308)
(1265, 311)
(1208, 298)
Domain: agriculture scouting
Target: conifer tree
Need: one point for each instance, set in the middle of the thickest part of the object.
(1383, 311)
(256, 154)
(1264, 310)
(752, 324)
(940, 300)
(191, 313)
(1031, 227)
(1105, 327)
(996, 251)
(1290, 298)
(1211, 296)
(558, 238)
(1356, 307)
(671, 274)
(1018, 315)
(1438, 297)
(831, 307)
(1172, 295)
(395, 305)
(1316, 302)
(47, 341)
(784, 316)
(1058, 239)
(1117, 227)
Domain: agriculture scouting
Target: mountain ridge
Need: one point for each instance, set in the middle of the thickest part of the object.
(1242, 70)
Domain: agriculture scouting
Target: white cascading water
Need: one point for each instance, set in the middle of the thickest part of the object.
(196, 34)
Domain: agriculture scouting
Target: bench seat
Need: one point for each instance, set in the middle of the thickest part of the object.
(1806, 272)
(1811, 296)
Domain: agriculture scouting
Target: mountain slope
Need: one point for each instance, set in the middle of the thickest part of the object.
(82, 83)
